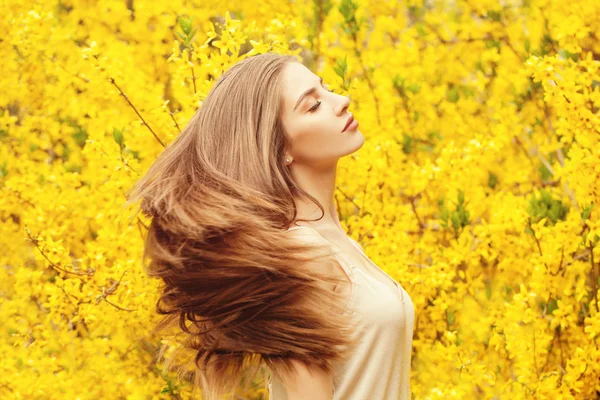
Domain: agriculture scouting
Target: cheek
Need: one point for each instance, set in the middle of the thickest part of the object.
(316, 139)
(313, 129)
(306, 137)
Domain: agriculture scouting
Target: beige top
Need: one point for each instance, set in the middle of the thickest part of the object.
(379, 368)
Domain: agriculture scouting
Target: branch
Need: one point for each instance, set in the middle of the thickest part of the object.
(35, 241)
(175, 121)
(350, 199)
(136, 111)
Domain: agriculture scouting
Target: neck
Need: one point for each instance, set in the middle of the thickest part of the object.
(319, 183)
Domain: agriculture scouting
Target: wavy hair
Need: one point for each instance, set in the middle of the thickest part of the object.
(235, 284)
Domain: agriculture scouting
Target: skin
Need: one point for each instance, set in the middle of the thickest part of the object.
(317, 142)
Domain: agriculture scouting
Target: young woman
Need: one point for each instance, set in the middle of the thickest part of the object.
(256, 266)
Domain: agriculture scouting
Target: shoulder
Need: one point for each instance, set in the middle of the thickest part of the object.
(331, 265)
(356, 241)
(308, 235)
(302, 232)
(307, 381)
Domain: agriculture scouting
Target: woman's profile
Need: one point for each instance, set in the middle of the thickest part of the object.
(255, 265)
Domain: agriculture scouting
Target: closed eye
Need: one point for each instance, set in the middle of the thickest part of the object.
(314, 108)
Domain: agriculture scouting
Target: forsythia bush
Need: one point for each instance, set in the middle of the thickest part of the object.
(476, 189)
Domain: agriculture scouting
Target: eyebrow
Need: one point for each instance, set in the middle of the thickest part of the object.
(306, 93)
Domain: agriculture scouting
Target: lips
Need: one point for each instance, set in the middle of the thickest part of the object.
(350, 120)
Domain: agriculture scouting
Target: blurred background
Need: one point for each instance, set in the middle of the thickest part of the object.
(476, 187)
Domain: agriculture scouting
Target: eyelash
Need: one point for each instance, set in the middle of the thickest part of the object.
(314, 108)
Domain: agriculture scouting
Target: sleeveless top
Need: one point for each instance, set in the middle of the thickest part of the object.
(379, 367)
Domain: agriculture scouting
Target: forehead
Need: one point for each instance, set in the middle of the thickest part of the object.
(295, 80)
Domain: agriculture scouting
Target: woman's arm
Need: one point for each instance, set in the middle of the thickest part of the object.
(308, 383)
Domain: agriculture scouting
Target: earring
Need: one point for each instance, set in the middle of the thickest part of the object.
(288, 161)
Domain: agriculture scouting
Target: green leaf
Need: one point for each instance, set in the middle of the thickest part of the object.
(452, 95)
(3, 169)
(492, 180)
(490, 44)
(79, 136)
(413, 87)
(118, 136)
(398, 82)
(586, 212)
(341, 67)
(461, 197)
(494, 15)
(347, 9)
(455, 221)
(545, 206)
(445, 214)
(457, 218)
(552, 305)
(407, 144)
(545, 173)
(185, 25)
(458, 339)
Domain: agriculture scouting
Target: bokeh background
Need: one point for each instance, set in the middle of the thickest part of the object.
(476, 187)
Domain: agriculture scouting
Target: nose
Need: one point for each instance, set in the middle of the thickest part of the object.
(343, 106)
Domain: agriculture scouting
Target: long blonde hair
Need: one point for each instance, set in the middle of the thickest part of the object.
(221, 200)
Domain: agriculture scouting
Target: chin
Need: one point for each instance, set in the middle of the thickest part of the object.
(359, 141)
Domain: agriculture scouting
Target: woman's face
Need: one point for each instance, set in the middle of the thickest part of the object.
(314, 121)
